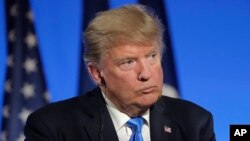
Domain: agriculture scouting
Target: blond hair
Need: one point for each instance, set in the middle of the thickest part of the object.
(131, 24)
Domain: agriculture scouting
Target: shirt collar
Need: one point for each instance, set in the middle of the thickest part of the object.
(120, 119)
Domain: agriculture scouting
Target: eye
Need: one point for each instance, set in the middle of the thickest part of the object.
(152, 58)
(153, 55)
(127, 64)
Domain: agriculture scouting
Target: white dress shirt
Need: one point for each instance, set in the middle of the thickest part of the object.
(120, 119)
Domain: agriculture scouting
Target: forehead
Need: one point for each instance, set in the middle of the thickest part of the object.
(127, 50)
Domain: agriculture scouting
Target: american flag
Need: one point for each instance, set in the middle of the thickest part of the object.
(167, 129)
(25, 88)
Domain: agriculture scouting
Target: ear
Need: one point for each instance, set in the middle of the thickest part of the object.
(94, 73)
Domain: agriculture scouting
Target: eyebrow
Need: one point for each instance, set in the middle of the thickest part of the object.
(128, 57)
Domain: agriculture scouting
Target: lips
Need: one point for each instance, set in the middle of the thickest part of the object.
(147, 90)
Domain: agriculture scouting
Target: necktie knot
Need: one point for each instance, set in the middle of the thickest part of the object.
(136, 125)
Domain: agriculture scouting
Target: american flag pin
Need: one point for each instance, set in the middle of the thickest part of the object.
(167, 129)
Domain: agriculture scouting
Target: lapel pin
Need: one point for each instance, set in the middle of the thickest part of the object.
(167, 129)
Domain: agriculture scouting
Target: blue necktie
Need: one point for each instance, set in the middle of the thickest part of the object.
(135, 124)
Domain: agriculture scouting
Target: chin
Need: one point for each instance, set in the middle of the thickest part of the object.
(149, 99)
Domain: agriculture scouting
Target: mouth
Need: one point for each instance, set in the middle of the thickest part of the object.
(147, 90)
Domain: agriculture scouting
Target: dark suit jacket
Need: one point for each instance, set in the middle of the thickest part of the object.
(86, 118)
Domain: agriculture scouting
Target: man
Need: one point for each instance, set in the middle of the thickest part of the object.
(123, 56)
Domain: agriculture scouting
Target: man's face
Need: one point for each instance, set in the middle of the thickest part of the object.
(133, 77)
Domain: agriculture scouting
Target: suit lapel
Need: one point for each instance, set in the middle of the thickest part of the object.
(99, 127)
(92, 127)
(108, 132)
(162, 128)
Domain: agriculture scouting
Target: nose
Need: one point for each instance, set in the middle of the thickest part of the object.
(144, 73)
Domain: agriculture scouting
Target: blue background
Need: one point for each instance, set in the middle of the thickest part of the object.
(211, 44)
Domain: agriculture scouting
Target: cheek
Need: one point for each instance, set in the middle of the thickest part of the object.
(158, 73)
(115, 75)
(123, 87)
(125, 81)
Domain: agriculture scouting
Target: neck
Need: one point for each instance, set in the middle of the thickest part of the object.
(133, 111)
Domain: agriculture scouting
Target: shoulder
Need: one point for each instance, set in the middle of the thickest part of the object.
(66, 108)
(182, 109)
(195, 122)
(60, 119)
(63, 106)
